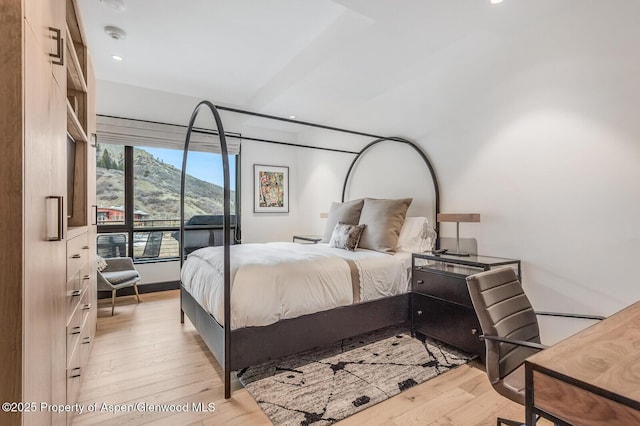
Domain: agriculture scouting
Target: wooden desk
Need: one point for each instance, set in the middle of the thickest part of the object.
(591, 378)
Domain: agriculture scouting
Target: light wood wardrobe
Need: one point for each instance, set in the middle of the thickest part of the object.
(47, 209)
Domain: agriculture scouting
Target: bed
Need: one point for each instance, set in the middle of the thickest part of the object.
(281, 298)
(276, 281)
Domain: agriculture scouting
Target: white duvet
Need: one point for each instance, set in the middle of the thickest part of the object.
(274, 281)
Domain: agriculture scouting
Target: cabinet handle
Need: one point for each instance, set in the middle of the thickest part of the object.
(59, 55)
(75, 293)
(94, 140)
(75, 372)
(59, 221)
(75, 330)
(86, 340)
(419, 282)
(85, 247)
(86, 277)
(86, 307)
(76, 256)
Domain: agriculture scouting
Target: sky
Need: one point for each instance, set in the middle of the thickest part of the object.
(203, 165)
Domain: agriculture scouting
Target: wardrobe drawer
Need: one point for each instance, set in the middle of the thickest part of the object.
(73, 297)
(85, 276)
(85, 341)
(77, 253)
(74, 329)
(73, 377)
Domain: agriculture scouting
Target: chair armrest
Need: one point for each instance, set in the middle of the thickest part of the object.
(115, 264)
(565, 315)
(531, 345)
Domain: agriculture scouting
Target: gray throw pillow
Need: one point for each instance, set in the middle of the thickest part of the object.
(384, 219)
(347, 212)
(346, 236)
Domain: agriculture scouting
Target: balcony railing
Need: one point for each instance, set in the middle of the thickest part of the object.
(157, 239)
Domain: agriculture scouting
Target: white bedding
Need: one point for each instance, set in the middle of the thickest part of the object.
(274, 281)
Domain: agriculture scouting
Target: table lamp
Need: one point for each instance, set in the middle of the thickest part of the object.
(457, 218)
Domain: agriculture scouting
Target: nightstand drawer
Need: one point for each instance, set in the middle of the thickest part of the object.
(449, 323)
(441, 285)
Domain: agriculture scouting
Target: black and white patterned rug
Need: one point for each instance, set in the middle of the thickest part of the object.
(325, 385)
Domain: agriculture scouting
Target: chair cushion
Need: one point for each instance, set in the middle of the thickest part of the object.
(515, 380)
(120, 277)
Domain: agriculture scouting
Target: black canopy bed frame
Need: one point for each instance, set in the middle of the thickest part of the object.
(235, 349)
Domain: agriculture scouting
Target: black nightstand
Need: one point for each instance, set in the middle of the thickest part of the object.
(308, 239)
(440, 303)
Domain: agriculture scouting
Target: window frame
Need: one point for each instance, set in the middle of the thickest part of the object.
(128, 227)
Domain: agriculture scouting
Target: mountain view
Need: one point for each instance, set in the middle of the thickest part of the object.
(156, 186)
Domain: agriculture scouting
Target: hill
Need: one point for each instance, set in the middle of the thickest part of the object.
(156, 186)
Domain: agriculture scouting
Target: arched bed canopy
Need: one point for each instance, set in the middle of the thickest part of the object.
(422, 155)
(238, 348)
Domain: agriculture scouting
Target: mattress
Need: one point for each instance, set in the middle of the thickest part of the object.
(275, 281)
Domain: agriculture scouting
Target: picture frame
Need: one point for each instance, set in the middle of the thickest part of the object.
(271, 189)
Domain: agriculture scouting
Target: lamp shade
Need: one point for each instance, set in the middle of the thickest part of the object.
(458, 217)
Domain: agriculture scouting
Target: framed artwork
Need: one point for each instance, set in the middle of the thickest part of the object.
(271, 189)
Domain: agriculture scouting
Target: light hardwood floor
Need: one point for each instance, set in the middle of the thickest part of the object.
(144, 355)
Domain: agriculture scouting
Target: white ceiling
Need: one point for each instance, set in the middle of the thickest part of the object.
(338, 62)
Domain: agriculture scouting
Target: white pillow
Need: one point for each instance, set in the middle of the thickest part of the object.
(101, 263)
(411, 238)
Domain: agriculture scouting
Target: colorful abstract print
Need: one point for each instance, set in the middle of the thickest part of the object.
(271, 189)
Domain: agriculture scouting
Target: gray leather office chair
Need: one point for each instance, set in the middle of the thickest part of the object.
(119, 273)
(509, 329)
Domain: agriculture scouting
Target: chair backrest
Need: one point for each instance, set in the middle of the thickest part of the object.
(504, 310)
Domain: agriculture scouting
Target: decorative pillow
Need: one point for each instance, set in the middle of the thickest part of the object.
(347, 212)
(346, 236)
(101, 263)
(411, 235)
(384, 219)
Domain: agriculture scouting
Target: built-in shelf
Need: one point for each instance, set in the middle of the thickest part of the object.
(74, 128)
(75, 73)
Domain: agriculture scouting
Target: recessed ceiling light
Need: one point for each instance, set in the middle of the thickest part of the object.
(495, 1)
(117, 5)
(116, 58)
(292, 117)
(115, 32)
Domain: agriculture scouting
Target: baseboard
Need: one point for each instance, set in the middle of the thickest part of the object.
(144, 288)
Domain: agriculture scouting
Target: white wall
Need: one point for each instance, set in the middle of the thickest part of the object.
(539, 134)
(158, 272)
(547, 148)
(263, 227)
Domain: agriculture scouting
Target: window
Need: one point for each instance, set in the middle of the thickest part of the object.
(149, 217)
(110, 184)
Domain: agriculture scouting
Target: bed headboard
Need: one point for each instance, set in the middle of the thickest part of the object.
(395, 168)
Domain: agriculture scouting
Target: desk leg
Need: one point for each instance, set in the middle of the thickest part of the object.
(530, 417)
